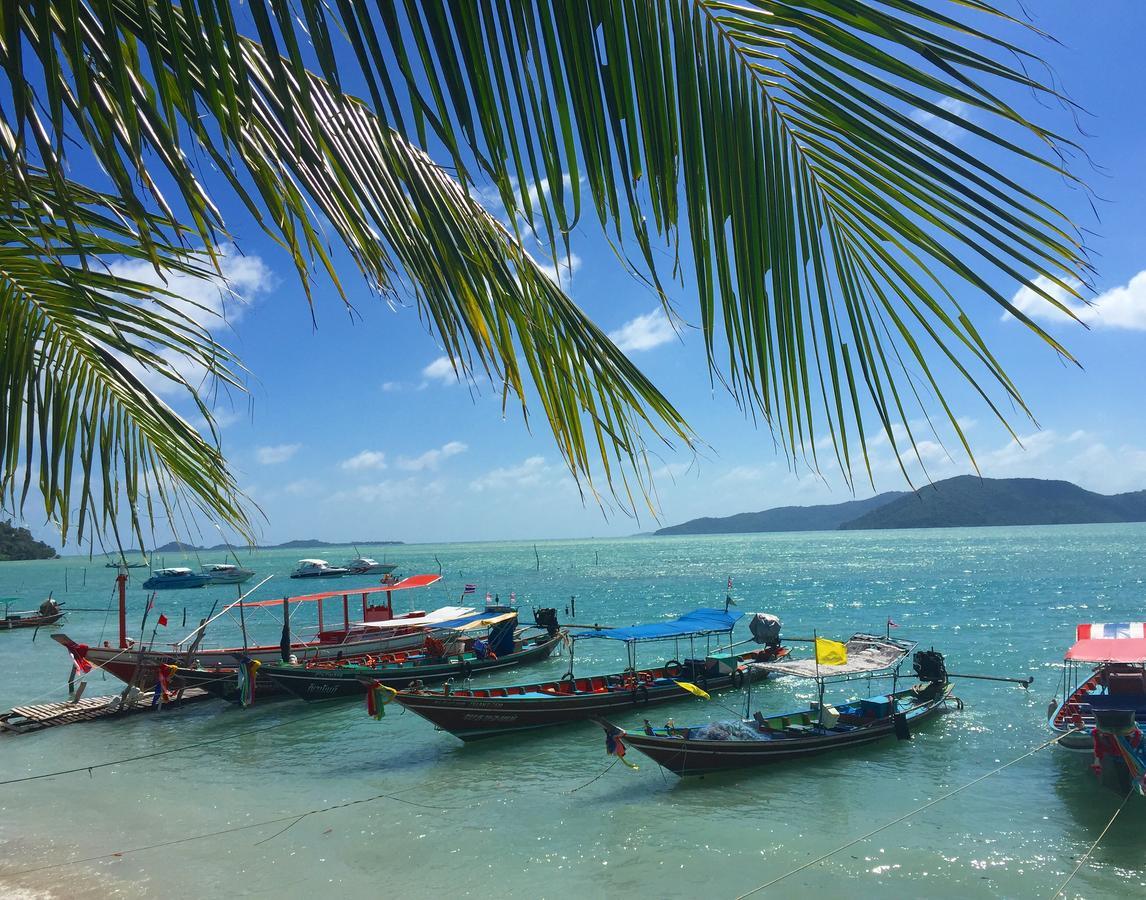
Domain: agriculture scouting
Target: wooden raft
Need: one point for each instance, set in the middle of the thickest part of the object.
(23, 719)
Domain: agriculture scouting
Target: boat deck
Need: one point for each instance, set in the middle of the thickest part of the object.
(36, 717)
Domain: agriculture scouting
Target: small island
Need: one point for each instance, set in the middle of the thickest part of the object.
(18, 543)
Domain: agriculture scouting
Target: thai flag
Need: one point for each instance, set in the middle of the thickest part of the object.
(470, 589)
(730, 582)
(1110, 630)
(891, 624)
(513, 596)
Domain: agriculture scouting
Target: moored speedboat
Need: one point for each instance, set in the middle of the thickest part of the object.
(364, 565)
(318, 568)
(228, 573)
(176, 578)
(810, 731)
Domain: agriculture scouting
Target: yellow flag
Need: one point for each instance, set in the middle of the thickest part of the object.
(830, 653)
(693, 689)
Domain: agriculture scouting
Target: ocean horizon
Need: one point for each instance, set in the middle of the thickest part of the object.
(548, 814)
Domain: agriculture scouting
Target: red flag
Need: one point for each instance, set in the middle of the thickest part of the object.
(891, 624)
(162, 619)
(730, 582)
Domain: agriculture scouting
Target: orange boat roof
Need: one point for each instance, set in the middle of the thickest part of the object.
(414, 581)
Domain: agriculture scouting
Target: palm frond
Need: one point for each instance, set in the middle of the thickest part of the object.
(80, 422)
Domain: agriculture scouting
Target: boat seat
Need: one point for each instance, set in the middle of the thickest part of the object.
(1124, 683)
(480, 693)
(584, 685)
(498, 692)
(599, 684)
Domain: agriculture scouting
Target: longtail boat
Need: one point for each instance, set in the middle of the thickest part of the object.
(447, 653)
(1104, 705)
(818, 728)
(49, 613)
(481, 713)
(380, 630)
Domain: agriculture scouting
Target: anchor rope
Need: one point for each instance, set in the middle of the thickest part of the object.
(1086, 855)
(905, 816)
(169, 750)
(292, 819)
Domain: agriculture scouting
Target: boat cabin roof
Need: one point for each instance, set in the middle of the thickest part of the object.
(697, 623)
(313, 562)
(176, 570)
(1109, 642)
(414, 581)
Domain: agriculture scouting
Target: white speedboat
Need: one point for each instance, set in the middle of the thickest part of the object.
(364, 565)
(228, 573)
(318, 568)
(176, 578)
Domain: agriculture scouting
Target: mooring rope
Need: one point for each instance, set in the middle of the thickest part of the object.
(905, 816)
(116, 762)
(1086, 856)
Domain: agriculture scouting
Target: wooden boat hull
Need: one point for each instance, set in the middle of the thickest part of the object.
(29, 621)
(224, 684)
(689, 756)
(348, 682)
(142, 668)
(479, 714)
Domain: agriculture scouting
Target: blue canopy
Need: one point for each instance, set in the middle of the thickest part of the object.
(698, 622)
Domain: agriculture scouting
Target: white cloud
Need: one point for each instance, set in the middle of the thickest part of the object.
(441, 370)
(528, 473)
(644, 332)
(390, 491)
(279, 453)
(742, 475)
(432, 458)
(561, 274)
(1120, 307)
(391, 386)
(213, 303)
(361, 462)
(304, 487)
(941, 126)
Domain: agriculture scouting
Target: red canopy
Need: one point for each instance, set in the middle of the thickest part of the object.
(1112, 650)
(414, 581)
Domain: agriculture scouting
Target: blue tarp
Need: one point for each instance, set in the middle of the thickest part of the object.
(698, 622)
(454, 624)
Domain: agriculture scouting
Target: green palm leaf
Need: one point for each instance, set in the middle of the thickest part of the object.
(79, 422)
(783, 146)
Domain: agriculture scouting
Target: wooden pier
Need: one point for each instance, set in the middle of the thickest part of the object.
(35, 717)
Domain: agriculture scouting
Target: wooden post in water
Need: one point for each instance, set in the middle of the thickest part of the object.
(121, 583)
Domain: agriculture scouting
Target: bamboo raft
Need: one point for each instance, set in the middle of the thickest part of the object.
(35, 717)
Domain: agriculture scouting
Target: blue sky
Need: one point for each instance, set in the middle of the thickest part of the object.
(356, 427)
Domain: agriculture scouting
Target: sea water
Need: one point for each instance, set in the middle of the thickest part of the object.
(548, 814)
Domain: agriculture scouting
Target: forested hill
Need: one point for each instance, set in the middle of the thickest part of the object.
(963, 501)
(969, 501)
(827, 517)
(18, 543)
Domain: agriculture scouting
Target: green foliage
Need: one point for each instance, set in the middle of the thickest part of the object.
(18, 543)
(778, 145)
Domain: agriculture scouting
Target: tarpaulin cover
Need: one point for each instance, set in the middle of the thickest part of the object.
(1117, 650)
(698, 622)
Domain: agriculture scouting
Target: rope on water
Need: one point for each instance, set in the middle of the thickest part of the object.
(908, 815)
(1086, 855)
(595, 777)
(292, 819)
(169, 750)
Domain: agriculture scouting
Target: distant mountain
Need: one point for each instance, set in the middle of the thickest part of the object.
(18, 543)
(970, 501)
(177, 547)
(963, 501)
(828, 517)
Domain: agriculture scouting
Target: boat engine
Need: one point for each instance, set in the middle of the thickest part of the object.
(546, 618)
(765, 629)
(929, 665)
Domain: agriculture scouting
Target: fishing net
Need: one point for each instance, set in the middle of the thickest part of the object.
(725, 731)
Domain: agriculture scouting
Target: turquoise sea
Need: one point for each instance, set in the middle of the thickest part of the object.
(539, 815)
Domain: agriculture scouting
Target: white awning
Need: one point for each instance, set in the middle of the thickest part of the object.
(866, 653)
(445, 614)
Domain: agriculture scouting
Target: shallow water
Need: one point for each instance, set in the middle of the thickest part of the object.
(539, 815)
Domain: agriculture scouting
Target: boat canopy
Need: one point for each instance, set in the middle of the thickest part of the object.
(477, 620)
(438, 618)
(697, 623)
(1109, 642)
(414, 581)
(174, 570)
(866, 653)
